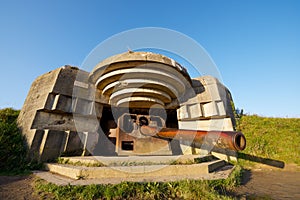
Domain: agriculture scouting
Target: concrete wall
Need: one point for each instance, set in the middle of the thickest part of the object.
(206, 107)
(59, 104)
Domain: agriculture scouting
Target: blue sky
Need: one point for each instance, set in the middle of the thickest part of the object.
(255, 44)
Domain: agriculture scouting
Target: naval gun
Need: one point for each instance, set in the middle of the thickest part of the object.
(149, 126)
(231, 140)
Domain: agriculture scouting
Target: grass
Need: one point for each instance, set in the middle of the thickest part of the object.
(186, 189)
(78, 163)
(274, 138)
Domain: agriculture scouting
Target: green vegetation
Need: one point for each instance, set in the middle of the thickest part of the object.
(274, 138)
(13, 149)
(78, 163)
(186, 189)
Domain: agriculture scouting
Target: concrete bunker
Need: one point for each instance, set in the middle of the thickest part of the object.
(130, 104)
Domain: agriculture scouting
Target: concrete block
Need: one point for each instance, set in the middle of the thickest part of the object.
(182, 113)
(83, 93)
(90, 142)
(59, 102)
(221, 108)
(49, 101)
(213, 91)
(64, 122)
(64, 83)
(208, 125)
(189, 112)
(51, 144)
(210, 109)
(98, 109)
(209, 99)
(64, 104)
(81, 106)
(195, 111)
(74, 145)
(36, 143)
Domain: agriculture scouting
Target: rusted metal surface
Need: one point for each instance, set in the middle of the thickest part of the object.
(221, 139)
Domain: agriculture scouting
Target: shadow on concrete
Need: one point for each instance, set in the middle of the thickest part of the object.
(266, 161)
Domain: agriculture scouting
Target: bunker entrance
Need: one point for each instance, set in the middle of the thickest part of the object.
(119, 132)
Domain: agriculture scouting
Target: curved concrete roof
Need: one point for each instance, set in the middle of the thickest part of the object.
(141, 79)
(139, 56)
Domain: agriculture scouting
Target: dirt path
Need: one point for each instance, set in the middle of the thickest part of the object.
(266, 184)
(263, 184)
(17, 188)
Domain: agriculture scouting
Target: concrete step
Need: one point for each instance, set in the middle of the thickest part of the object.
(140, 171)
(221, 173)
(135, 160)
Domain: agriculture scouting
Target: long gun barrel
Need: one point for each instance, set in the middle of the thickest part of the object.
(221, 139)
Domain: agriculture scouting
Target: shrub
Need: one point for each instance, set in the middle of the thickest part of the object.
(12, 142)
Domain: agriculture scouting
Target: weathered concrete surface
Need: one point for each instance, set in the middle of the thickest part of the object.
(36, 99)
(136, 160)
(47, 116)
(137, 168)
(121, 61)
(77, 172)
(207, 107)
(140, 80)
(221, 173)
(209, 99)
